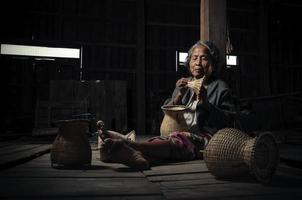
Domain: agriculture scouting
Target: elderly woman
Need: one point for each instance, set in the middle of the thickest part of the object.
(210, 109)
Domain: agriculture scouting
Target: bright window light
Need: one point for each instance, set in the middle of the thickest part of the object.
(231, 60)
(40, 51)
(180, 59)
(182, 56)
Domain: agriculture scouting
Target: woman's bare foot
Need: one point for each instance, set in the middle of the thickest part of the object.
(104, 134)
(117, 151)
(100, 125)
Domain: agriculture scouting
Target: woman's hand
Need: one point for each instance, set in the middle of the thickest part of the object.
(182, 83)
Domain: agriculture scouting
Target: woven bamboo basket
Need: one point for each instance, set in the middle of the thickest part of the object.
(173, 119)
(71, 146)
(232, 153)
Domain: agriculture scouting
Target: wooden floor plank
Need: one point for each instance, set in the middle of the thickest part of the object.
(198, 166)
(291, 153)
(226, 190)
(124, 197)
(41, 167)
(96, 173)
(12, 159)
(76, 187)
(16, 148)
(177, 177)
(202, 185)
(208, 187)
(6, 143)
(36, 179)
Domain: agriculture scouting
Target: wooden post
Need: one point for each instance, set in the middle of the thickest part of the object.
(204, 20)
(140, 69)
(213, 25)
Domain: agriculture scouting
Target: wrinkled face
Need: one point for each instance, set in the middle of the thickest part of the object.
(200, 63)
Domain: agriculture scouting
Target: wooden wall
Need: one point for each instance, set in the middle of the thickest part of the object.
(268, 44)
(128, 40)
(170, 26)
(135, 41)
(285, 46)
(242, 22)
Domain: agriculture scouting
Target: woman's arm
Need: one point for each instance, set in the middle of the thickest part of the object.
(178, 93)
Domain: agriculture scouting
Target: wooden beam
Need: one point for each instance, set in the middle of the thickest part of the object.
(140, 69)
(213, 25)
(204, 20)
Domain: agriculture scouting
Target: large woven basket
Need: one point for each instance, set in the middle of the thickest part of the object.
(71, 146)
(232, 153)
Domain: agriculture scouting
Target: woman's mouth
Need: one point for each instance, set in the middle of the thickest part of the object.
(198, 68)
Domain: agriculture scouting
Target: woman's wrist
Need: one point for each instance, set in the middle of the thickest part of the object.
(177, 98)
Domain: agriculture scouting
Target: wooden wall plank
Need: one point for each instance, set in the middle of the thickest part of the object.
(140, 69)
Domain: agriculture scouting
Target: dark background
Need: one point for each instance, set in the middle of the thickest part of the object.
(117, 37)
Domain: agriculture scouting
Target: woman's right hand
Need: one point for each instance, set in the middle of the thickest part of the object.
(181, 83)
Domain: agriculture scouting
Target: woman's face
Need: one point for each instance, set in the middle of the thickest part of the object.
(200, 62)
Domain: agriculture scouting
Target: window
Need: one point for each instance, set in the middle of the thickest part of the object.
(231, 61)
(180, 59)
(39, 51)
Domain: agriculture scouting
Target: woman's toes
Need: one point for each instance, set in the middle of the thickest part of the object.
(100, 125)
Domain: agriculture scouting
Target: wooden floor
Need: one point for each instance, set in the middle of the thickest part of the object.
(32, 177)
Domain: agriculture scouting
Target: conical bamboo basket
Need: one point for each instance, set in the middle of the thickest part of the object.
(232, 153)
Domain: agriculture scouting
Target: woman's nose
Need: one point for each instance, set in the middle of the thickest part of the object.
(198, 61)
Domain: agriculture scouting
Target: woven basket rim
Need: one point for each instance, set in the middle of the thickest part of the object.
(70, 121)
(175, 108)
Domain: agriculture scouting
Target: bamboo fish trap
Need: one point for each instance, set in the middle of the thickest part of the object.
(231, 153)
